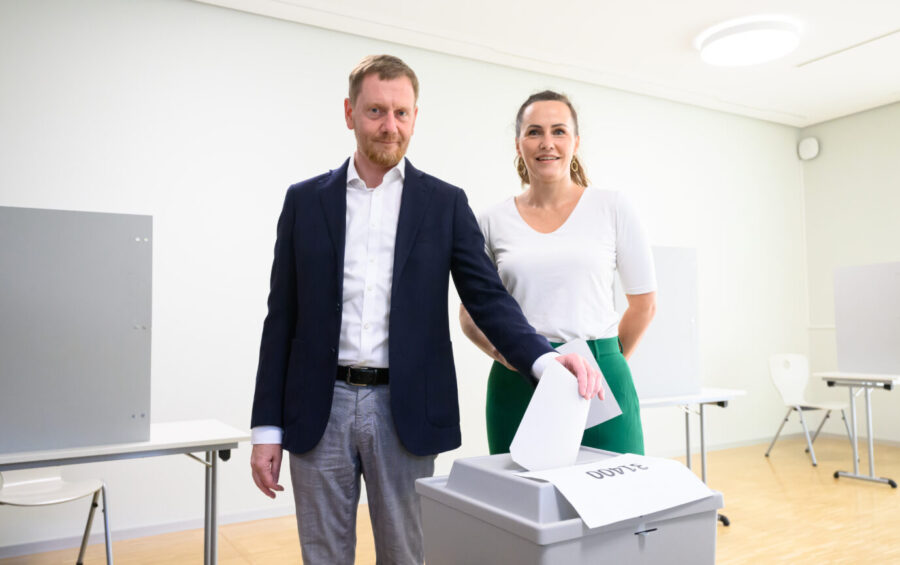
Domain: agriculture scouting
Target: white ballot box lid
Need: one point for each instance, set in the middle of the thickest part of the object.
(490, 489)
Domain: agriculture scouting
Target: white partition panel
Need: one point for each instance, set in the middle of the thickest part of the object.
(667, 361)
(867, 318)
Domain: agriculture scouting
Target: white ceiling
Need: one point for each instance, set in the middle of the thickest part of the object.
(848, 60)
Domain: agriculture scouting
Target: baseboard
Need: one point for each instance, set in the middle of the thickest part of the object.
(799, 435)
(139, 532)
(862, 438)
(695, 446)
(889, 442)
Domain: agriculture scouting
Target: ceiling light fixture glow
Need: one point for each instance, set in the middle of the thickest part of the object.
(748, 41)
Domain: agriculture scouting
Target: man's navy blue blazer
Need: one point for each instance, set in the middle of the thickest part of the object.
(437, 237)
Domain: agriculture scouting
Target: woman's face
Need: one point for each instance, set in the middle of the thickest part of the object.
(547, 140)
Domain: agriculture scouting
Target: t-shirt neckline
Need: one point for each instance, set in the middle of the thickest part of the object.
(560, 226)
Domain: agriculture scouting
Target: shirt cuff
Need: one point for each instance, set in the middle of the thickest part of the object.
(541, 363)
(266, 434)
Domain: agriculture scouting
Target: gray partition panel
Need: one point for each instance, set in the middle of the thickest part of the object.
(75, 291)
(667, 360)
(867, 318)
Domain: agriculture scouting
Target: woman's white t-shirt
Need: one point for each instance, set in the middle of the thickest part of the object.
(564, 280)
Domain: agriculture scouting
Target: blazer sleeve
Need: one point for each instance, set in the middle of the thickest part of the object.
(494, 311)
(278, 328)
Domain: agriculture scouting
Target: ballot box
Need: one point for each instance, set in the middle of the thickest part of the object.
(484, 513)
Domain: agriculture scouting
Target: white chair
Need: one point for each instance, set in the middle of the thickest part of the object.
(790, 374)
(42, 487)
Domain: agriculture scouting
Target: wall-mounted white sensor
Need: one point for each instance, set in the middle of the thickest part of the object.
(808, 148)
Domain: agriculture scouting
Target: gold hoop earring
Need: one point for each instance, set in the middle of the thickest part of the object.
(574, 165)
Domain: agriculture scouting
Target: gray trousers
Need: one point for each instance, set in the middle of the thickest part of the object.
(360, 439)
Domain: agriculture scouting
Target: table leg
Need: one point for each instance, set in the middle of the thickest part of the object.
(722, 518)
(206, 514)
(855, 432)
(109, 557)
(869, 432)
(871, 443)
(210, 537)
(687, 434)
(703, 443)
(214, 513)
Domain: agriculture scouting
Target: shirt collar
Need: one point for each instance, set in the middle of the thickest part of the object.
(353, 178)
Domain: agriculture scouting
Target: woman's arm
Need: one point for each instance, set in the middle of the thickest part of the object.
(634, 322)
(477, 337)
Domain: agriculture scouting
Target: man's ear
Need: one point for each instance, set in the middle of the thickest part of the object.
(412, 128)
(348, 113)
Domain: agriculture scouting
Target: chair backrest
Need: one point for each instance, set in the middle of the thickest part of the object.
(790, 374)
(10, 479)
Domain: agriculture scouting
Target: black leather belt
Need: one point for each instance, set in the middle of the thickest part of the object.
(362, 376)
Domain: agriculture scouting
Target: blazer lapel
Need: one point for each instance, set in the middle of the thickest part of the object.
(416, 193)
(333, 196)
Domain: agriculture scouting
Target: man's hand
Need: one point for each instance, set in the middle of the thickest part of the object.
(589, 382)
(265, 463)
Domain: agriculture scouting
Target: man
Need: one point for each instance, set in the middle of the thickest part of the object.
(356, 371)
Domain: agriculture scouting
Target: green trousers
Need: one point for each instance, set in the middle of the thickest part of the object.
(508, 394)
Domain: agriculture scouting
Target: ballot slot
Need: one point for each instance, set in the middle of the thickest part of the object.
(493, 480)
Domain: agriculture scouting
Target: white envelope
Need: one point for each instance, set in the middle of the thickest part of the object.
(601, 410)
(550, 432)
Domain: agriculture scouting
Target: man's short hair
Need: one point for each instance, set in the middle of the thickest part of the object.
(387, 67)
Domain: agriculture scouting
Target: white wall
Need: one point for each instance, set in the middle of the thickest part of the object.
(201, 117)
(852, 203)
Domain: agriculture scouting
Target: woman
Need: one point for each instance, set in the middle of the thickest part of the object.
(557, 246)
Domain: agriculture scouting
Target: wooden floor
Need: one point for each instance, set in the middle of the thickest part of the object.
(782, 510)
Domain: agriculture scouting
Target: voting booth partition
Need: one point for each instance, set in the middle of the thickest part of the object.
(867, 318)
(75, 325)
(667, 363)
(484, 512)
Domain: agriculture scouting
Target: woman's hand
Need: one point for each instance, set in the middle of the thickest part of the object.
(634, 322)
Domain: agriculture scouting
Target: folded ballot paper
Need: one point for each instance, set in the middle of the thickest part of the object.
(551, 429)
(623, 487)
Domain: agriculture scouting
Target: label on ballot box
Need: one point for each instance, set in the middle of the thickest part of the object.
(623, 487)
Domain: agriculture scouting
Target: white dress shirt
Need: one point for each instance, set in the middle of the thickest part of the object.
(371, 232)
(372, 215)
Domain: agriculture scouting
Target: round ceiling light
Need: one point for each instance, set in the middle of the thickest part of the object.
(748, 41)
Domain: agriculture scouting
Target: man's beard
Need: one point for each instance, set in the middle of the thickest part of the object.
(385, 158)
